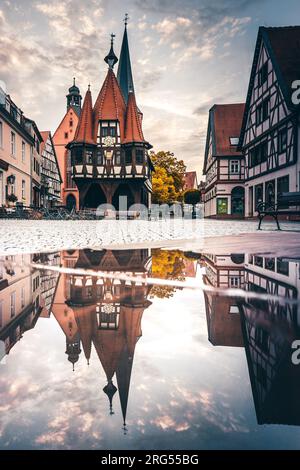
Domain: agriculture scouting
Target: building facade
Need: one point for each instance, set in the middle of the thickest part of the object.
(222, 312)
(36, 161)
(63, 135)
(109, 152)
(19, 155)
(190, 180)
(50, 175)
(223, 164)
(270, 130)
(20, 299)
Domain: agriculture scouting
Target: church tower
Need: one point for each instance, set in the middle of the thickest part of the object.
(74, 98)
(109, 152)
(63, 135)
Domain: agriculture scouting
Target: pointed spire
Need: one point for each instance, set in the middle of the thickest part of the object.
(124, 74)
(133, 128)
(111, 59)
(110, 389)
(84, 131)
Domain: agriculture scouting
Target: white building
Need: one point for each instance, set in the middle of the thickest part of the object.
(223, 164)
(270, 129)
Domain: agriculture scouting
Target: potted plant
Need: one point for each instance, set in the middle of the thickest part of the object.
(11, 199)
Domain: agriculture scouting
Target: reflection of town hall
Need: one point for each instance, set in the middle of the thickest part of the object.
(251, 151)
(104, 312)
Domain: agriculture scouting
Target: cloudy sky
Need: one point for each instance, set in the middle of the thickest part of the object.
(186, 56)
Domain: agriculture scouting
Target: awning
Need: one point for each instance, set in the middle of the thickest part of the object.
(3, 165)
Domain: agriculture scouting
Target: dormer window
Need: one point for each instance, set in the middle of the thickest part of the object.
(107, 129)
(234, 141)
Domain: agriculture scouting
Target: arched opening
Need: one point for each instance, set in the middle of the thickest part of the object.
(237, 200)
(123, 198)
(94, 197)
(71, 202)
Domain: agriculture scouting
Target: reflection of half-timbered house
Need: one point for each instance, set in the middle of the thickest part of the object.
(269, 135)
(269, 327)
(222, 313)
(104, 312)
(223, 164)
(20, 300)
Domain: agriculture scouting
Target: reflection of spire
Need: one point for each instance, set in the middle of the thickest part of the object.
(110, 389)
(73, 350)
(123, 374)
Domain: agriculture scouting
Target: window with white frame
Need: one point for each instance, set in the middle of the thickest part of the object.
(23, 189)
(23, 152)
(234, 167)
(13, 143)
(23, 297)
(234, 281)
(12, 304)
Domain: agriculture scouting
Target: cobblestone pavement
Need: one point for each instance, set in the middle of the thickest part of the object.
(18, 236)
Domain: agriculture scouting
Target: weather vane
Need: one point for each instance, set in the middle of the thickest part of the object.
(112, 36)
(126, 19)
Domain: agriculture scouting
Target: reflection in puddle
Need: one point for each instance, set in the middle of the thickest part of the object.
(97, 300)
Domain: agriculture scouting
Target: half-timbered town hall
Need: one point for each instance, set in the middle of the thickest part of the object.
(270, 128)
(109, 151)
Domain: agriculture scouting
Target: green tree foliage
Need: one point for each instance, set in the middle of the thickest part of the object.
(163, 187)
(192, 196)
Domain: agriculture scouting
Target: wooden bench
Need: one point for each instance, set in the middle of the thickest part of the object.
(284, 202)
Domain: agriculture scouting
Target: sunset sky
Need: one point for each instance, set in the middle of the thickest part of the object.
(186, 56)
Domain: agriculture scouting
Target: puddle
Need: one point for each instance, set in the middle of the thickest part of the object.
(148, 349)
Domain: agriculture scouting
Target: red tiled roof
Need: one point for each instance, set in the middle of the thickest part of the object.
(190, 180)
(133, 128)
(45, 135)
(227, 121)
(110, 103)
(84, 131)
